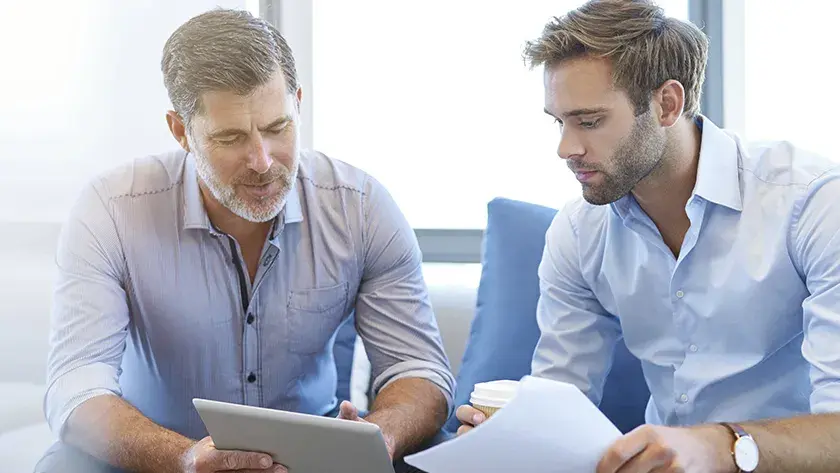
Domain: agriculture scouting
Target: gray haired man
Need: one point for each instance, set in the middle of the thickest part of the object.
(223, 269)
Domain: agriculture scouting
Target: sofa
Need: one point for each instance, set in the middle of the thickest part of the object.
(486, 314)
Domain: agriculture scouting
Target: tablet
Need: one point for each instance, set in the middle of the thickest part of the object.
(302, 443)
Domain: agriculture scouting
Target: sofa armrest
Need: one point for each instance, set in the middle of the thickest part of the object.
(20, 405)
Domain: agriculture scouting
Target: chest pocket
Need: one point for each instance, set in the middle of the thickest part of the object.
(313, 316)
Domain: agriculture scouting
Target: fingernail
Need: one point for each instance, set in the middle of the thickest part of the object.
(477, 419)
(265, 462)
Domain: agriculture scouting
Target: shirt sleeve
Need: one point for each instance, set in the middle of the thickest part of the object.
(577, 336)
(394, 316)
(89, 312)
(815, 246)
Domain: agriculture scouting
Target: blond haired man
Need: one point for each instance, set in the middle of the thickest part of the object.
(717, 262)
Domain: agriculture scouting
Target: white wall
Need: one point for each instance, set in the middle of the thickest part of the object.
(82, 92)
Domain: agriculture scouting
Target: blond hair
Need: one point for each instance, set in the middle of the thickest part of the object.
(646, 48)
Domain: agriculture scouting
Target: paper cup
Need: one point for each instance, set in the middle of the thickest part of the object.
(491, 396)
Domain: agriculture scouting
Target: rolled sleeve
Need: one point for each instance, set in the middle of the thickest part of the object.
(577, 336)
(816, 249)
(89, 314)
(394, 316)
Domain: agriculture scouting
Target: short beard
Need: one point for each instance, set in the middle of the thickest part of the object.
(636, 157)
(266, 210)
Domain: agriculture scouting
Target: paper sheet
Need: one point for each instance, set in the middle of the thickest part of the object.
(548, 427)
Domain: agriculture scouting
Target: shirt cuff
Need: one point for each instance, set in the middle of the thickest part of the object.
(73, 388)
(439, 376)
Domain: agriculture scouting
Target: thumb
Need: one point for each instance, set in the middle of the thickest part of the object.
(348, 411)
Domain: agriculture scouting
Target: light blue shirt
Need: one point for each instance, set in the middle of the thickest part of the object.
(743, 325)
(153, 303)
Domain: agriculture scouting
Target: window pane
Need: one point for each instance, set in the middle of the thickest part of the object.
(789, 74)
(84, 93)
(433, 99)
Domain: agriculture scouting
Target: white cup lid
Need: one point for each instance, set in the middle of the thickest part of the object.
(494, 393)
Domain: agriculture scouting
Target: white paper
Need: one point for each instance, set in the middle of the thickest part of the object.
(548, 427)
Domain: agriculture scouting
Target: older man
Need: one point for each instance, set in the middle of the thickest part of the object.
(223, 269)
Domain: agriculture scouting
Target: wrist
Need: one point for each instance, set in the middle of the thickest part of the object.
(719, 441)
(184, 457)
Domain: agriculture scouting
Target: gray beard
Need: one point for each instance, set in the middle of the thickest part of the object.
(266, 210)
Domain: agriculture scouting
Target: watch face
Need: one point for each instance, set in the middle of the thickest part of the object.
(746, 454)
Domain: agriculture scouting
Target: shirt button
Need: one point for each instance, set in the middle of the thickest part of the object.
(252, 377)
(684, 398)
(250, 319)
(680, 294)
(692, 348)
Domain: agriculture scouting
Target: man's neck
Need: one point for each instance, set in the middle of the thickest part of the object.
(231, 224)
(663, 194)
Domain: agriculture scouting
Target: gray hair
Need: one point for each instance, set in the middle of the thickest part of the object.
(222, 49)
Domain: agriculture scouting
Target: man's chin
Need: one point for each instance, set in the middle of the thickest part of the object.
(258, 210)
(594, 197)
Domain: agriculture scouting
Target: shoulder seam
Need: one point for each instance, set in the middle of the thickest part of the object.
(140, 194)
(332, 188)
(777, 184)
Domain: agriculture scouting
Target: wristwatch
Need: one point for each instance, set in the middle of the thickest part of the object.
(744, 450)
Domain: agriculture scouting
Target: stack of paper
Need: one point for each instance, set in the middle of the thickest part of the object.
(548, 427)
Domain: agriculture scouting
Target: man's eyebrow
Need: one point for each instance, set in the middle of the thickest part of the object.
(280, 121)
(237, 131)
(579, 112)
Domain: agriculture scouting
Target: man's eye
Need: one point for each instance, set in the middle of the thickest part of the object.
(559, 122)
(590, 125)
(229, 141)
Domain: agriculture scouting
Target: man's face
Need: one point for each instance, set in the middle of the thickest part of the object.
(607, 147)
(246, 148)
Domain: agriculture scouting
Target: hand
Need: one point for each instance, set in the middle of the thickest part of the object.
(203, 457)
(649, 449)
(348, 411)
(470, 418)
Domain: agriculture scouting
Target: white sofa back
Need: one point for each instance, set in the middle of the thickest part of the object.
(27, 257)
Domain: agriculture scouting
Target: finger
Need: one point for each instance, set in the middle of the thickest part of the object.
(656, 457)
(623, 450)
(348, 411)
(237, 460)
(470, 415)
(273, 469)
(463, 429)
(672, 468)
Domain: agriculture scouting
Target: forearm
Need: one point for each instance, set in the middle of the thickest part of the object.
(111, 429)
(409, 411)
(805, 444)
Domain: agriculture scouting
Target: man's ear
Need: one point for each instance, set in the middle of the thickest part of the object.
(670, 101)
(299, 96)
(178, 129)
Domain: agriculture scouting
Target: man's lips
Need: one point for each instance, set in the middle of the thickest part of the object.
(258, 190)
(584, 175)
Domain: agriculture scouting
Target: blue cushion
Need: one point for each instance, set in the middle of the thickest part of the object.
(504, 331)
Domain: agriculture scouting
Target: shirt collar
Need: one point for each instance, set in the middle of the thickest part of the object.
(718, 178)
(195, 215)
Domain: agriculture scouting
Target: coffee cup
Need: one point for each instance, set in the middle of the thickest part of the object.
(491, 396)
